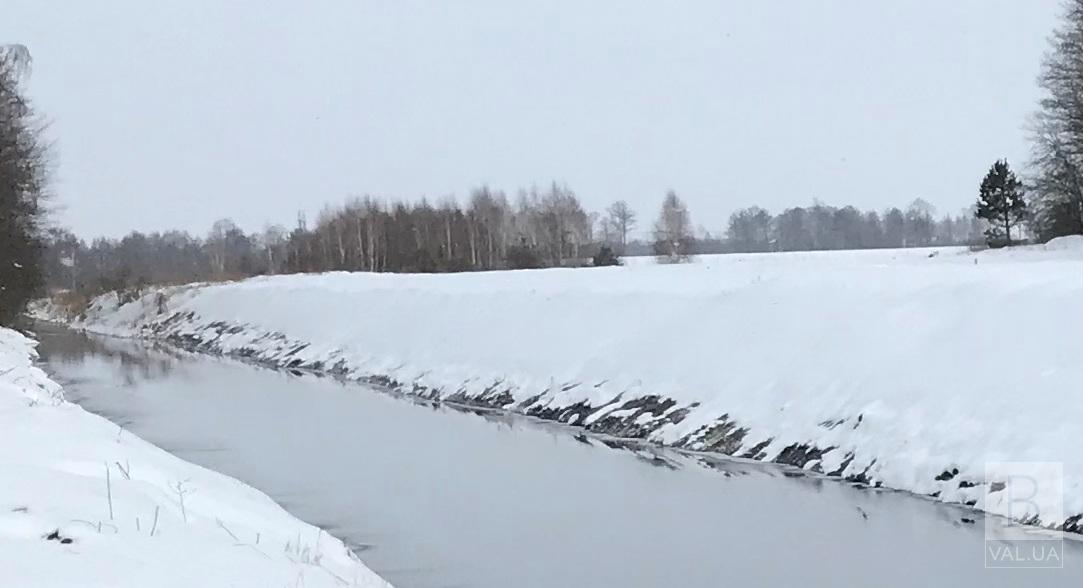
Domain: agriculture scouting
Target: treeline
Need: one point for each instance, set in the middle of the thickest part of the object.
(547, 228)
(823, 227)
(542, 228)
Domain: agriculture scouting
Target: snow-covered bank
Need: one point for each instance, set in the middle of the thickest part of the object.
(907, 368)
(84, 503)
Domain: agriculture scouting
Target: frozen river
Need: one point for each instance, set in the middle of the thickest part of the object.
(437, 497)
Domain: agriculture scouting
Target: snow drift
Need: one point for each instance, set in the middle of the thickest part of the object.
(153, 520)
(910, 369)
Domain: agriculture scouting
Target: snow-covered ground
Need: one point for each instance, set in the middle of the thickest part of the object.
(85, 503)
(912, 368)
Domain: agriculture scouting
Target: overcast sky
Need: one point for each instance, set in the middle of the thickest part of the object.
(171, 114)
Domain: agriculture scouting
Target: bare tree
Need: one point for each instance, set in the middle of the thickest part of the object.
(488, 216)
(230, 251)
(1057, 181)
(920, 227)
(622, 219)
(749, 230)
(216, 244)
(673, 238)
(560, 223)
(273, 242)
(1057, 131)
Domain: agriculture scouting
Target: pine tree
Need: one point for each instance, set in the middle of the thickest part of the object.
(1001, 203)
(22, 185)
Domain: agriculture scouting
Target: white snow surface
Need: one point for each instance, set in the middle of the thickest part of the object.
(912, 361)
(53, 462)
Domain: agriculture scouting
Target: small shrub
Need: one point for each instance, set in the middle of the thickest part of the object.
(129, 294)
(679, 251)
(523, 257)
(605, 256)
(71, 302)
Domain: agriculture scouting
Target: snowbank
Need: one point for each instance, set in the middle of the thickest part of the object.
(1068, 243)
(906, 368)
(153, 520)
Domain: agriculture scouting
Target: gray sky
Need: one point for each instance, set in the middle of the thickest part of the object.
(170, 114)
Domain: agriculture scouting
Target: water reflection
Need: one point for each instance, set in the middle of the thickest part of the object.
(136, 362)
(131, 358)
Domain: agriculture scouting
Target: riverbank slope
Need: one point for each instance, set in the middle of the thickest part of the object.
(912, 369)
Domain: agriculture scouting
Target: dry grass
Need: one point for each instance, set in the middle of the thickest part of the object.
(71, 302)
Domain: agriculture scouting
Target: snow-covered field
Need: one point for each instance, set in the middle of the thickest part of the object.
(892, 367)
(84, 503)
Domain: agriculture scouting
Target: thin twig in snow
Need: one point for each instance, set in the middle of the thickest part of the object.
(154, 527)
(109, 490)
(181, 492)
(253, 548)
(226, 529)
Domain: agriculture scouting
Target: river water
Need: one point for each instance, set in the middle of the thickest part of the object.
(432, 496)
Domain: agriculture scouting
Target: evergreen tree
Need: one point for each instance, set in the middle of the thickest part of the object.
(1001, 203)
(605, 256)
(22, 185)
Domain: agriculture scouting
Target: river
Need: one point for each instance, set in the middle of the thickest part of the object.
(433, 496)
